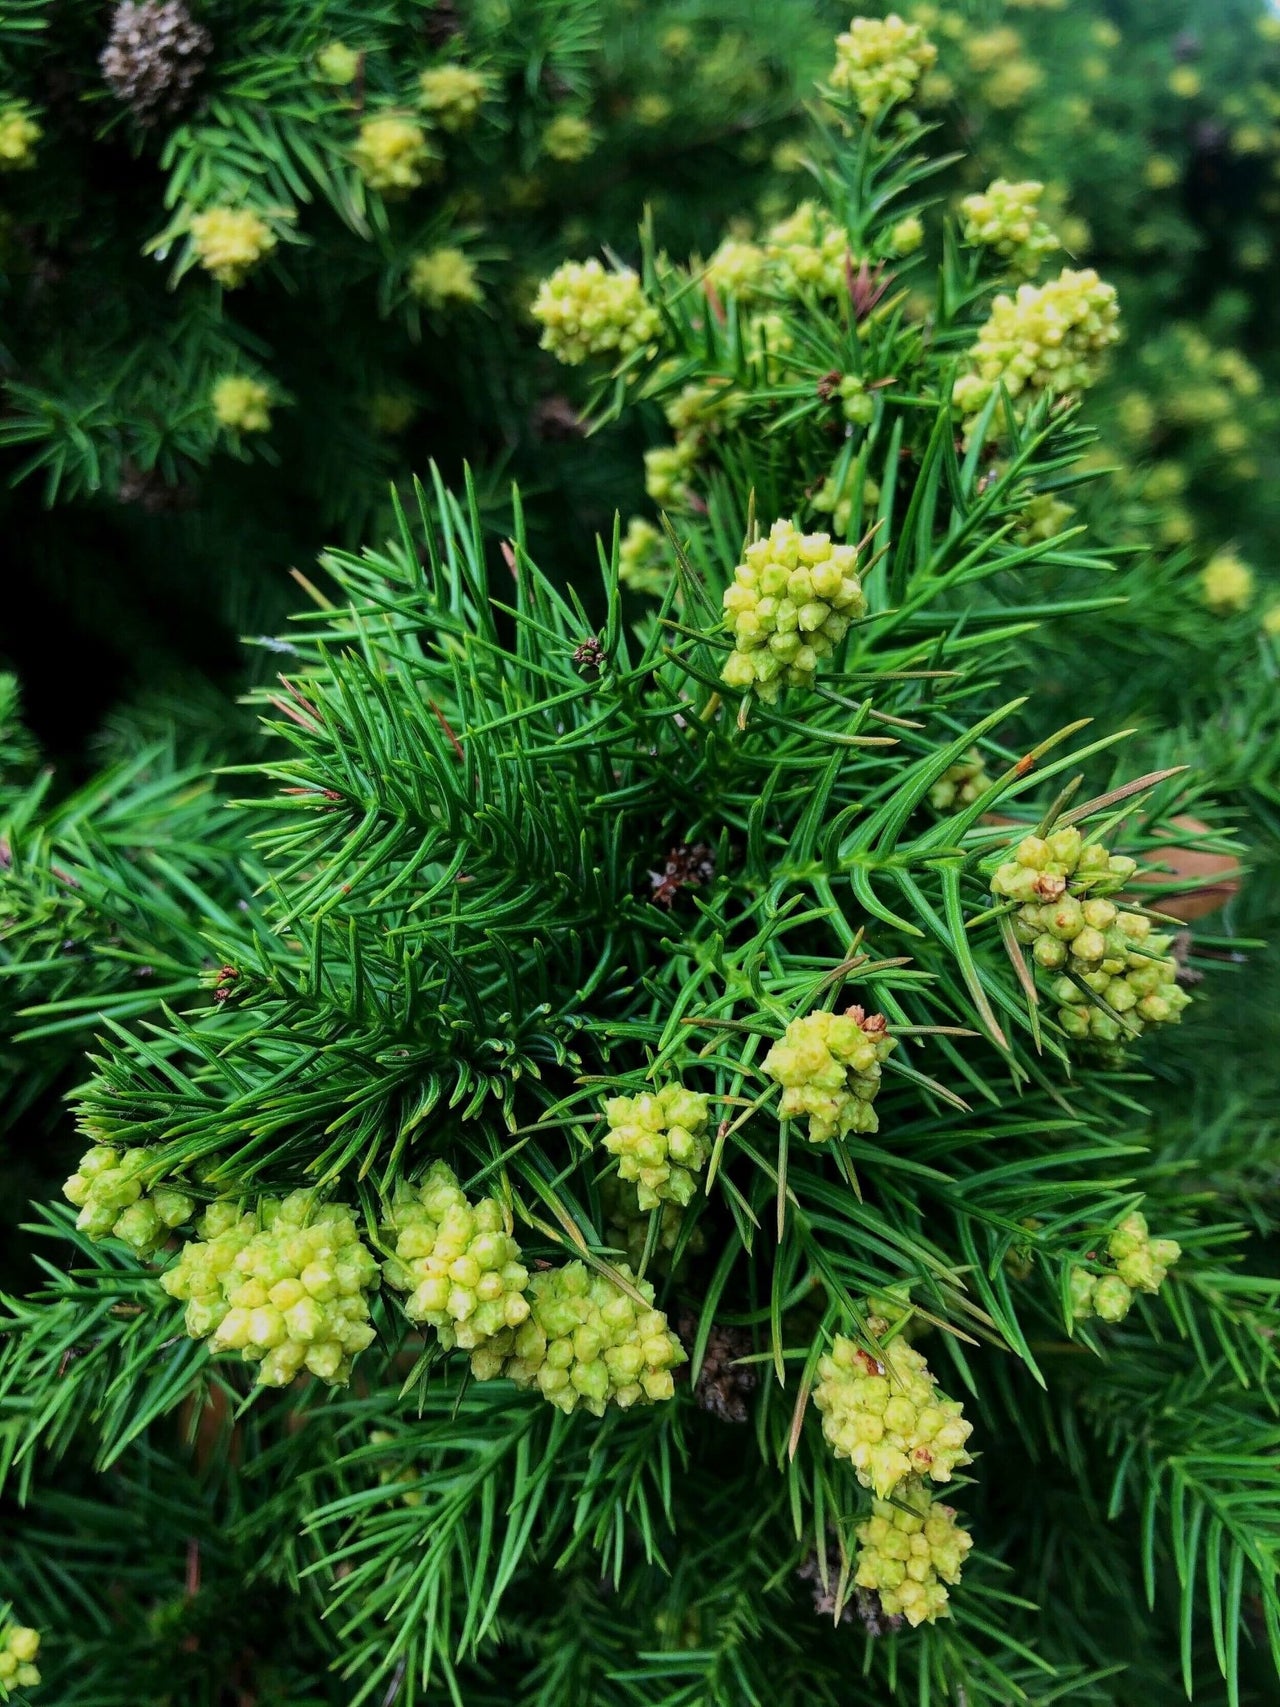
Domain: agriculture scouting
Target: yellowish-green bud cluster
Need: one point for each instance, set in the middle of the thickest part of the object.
(568, 138)
(1045, 517)
(19, 134)
(1005, 217)
(107, 1189)
(907, 235)
(1045, 868)
(887, 1418)
(643, 564)
(391, 412)
(738, 268)
(1136, 977)
(829, 1067)
(1062, 883)
(286, 1292)
(229, 242)
(588, 1343)
(879, 61)
(587, 311)
(835, 498)
(1047, 338)
(960, 784)
(805, 251)
(907, 1550)
(392, 154)
(1141, 1264)
(19, 1645)
(856, 403)
(457, 1261)
(660, 1141)
(1226, 583)
(453, 95)
(445, 276)
(338, 64)
(702, 407)
(627, 1225)
(808, 250)
(241, 404)
(789, 605)
(406, 1477)
(666, 472)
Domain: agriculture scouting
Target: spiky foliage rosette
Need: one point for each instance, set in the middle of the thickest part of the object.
(453, 951)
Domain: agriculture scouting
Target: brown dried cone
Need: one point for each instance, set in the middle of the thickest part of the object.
(153, 57)
(865, 1602)
(1210, 879)
(723, 1382)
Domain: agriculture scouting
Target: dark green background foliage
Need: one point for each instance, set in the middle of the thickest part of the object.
(429, 869)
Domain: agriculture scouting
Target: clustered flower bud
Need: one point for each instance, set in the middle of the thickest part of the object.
(879, 61)
(285, 1288)
(392, 154)
(453, 95)
(108, 1191)
(660, 1141)
(666, 472)
(1005, 217)
(808, 250)
(19, 1645)
(1062, 883)
(1047, 338)
(587, 1342)
(230, 241)
(887, 1418)
(1226, 583)
(585, 311)
(627, 1225)
(643, 564)
(738, 268)
(1044, 518)
(568, 139)
(407, 1476)
(960, 784)
(457, 1261)
(829, 1067)
(338, 64)
(241, 404)
(19, 134)
(153, 57)
(443, 276)
(1140, 1264)
(907, 1549)
(789, 605)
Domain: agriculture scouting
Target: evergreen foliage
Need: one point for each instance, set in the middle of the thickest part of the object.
(685, 1040)
(343, 207)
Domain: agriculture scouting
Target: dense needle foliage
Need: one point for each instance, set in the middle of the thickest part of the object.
(660, 1136)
